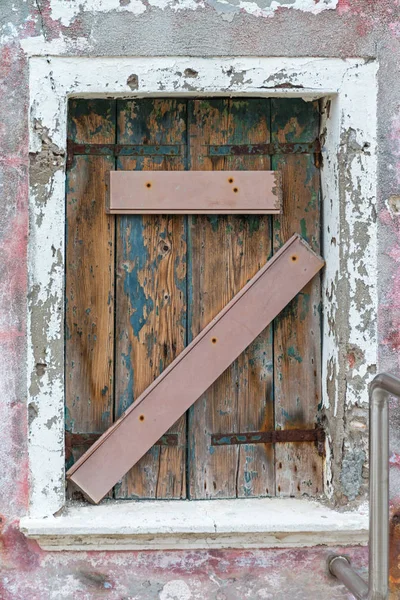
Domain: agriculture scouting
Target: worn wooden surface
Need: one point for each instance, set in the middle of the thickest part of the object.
(173, 275)
(182, 383)
(194, 192)
(297, 337)
(89, 344)
(151, 293)
(224, 253)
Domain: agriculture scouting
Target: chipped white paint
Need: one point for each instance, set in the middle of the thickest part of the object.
(59, 46)
(250, 523)
(46, 279)
(330, 251)
(348, 186)
(253, 8)
(67, 12)
(349, 198)
(176, 589)
(360, 180)
(8, 33)
(327, 472)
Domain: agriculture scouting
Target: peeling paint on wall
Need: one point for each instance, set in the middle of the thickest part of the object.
(332, 29)
(67, 12)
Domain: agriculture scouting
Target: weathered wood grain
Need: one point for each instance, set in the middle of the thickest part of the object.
(297, 338)
(167, 293)
(151, 293)
(224, 253)
(89, 344)
(178, 387)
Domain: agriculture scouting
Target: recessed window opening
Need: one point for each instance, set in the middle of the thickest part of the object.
(139, 288)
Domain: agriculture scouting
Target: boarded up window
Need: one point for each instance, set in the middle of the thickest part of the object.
(140, 287)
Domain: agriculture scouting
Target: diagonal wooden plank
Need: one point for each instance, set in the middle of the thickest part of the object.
(194, 192)
(195, 369)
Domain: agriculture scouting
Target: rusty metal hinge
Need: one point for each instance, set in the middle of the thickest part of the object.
(115, 150)
(85, 440)
(264, 149)
(277, 436)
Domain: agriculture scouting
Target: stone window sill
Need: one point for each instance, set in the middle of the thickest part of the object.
(248, 523)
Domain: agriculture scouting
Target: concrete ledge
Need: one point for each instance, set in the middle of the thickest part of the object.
(145, 525)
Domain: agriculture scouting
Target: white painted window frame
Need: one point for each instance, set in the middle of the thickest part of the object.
(349, 90)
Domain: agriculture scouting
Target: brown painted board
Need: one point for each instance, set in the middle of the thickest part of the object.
(195, 369)
(194, 192)
(89, 343)
(151, 298)
(297, 331)
(224, 253)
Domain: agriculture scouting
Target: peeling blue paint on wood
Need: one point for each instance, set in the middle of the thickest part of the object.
(173, 273)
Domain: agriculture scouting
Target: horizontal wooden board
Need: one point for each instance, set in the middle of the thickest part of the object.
(194, 192)
(196, 368)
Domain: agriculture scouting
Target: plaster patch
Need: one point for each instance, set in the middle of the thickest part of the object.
(177, 589)
(393, 205)
(38, 45)
(395, 139)
(133, 81)
(8, 33)
(351, 475)
(264, 594)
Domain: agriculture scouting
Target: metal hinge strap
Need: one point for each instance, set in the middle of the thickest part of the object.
(277, 436)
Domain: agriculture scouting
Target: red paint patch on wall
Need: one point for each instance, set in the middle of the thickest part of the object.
(351, 359)
(393, 339)
(370, 14)
(17, 551)
(343, 7)
(52, 28)
(394, 573)
(394, 459)
(391, 304)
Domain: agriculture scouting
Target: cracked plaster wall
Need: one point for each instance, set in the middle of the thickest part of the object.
(337, 28)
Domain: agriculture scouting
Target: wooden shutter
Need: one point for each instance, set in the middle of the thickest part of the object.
(173, 274)
(151, 304)
(224, 253)
(89, 338)
(297, 332)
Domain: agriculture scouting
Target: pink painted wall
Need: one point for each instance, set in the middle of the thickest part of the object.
(366, 28)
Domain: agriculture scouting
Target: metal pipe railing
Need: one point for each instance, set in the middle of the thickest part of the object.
(380, 389)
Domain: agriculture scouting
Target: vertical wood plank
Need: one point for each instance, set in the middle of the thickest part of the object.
(151, 293)
(224, 253)
(89, 344)
(297, 338)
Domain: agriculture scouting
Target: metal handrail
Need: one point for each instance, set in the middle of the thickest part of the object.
(383, 386)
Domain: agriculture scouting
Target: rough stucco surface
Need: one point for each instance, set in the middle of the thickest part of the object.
(195, 575)
(337, 28)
